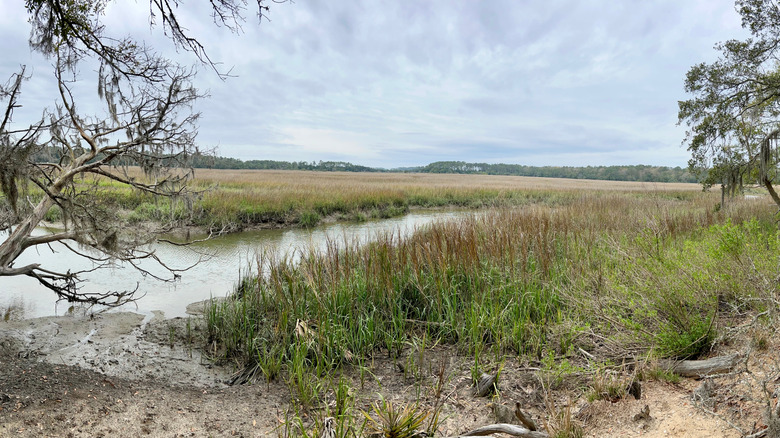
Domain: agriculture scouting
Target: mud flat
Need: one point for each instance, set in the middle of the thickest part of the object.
(129, 375)
(126, 345)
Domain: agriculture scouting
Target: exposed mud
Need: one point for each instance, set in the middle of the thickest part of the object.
(119, 345)
(121, 374)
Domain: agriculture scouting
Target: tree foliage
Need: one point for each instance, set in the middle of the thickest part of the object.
(610, 173)
(733, 114)
(61, 161)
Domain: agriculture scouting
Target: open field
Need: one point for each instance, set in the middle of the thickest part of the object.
(235, 199)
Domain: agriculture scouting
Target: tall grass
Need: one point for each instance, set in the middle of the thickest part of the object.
(234, 199)
(649, 272)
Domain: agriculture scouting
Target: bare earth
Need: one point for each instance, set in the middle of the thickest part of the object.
(119, 375)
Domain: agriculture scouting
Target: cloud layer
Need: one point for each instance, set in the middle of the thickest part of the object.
(406, 83)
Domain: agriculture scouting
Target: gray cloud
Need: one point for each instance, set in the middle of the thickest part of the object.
(405, 83)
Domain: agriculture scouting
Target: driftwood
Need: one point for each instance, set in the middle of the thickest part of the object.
(759, 434)
(509, 429)
(701, 368)
(328, 428)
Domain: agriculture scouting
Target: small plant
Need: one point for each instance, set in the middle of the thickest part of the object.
(689, 341)
(309, 219)
(304, 384)
(53, 215)
(609, 385)
(660, 374)
(555, 370)
(415, 362)
(395, 422)
(759, 340)
(359, 216)
(270, 362)
(345, 398)
(561, 423)
(476, 366)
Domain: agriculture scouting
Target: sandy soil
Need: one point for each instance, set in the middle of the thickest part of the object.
(121, 374)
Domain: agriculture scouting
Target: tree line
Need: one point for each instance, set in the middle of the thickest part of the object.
(212, 162)
(642, 173)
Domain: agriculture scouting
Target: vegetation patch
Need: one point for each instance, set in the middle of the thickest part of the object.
(654, 275)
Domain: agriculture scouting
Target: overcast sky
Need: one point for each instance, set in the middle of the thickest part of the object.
(405, 83)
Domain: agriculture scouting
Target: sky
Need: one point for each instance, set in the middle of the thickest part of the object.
(405, 83)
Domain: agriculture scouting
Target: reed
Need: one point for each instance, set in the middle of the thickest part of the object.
(234, 199)
(651, 271)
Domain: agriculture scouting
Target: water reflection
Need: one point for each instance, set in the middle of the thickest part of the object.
(225, 258)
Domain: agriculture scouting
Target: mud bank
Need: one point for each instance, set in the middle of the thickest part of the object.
(126, 345)
(127, 375)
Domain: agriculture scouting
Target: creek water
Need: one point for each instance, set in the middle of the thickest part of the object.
(226, 258)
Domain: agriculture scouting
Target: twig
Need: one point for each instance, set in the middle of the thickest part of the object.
(586, 354)
(699, 406)
(759, 434)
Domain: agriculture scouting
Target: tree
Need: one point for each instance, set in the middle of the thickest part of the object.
(56, 163)
(733, 115)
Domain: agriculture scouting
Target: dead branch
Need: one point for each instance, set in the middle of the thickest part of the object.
(701, 368)
(509, 429)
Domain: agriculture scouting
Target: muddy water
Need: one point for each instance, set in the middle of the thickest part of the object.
(219, 264)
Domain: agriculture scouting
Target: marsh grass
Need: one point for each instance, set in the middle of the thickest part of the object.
(235, 199)
(657, 275)
(509, 281)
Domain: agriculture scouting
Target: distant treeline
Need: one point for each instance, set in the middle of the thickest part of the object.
(613, 173)
(204, 161)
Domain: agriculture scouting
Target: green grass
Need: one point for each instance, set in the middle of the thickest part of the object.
(518, 282)
(657, 276)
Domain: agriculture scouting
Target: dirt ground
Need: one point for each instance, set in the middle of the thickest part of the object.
(126, 375)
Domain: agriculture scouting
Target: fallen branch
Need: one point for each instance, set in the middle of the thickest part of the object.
(701, 368)
(509, 429)
(759, 434)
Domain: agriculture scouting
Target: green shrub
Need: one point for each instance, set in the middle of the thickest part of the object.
(53, 215)
(688, 341)
(309, 219)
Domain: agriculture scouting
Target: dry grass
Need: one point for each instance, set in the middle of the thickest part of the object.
(298, 197)
(351, 181)
(233, 199)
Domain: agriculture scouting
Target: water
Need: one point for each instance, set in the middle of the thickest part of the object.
(226, 258)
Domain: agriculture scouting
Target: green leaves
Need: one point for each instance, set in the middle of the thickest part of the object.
(734, 103)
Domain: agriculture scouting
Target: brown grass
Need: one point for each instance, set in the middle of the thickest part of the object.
(233, 199)
(352, 181)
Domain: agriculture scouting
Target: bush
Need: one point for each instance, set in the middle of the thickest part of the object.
(689, 341)
(309, 219)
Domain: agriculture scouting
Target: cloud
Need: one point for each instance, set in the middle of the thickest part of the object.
(390, 84)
